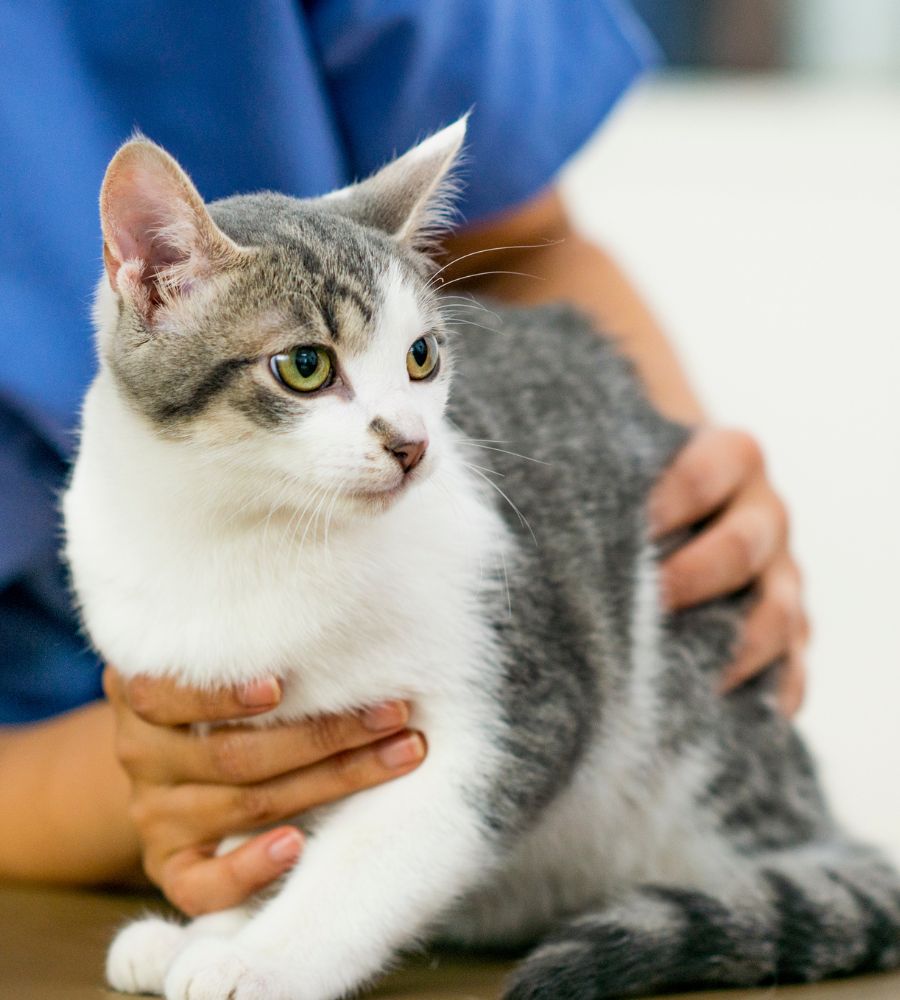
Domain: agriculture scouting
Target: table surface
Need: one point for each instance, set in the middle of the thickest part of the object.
(52, 944)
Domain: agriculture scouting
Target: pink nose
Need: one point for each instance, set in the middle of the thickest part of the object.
(408, 453)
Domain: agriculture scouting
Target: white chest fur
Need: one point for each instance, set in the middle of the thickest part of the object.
(171, 582)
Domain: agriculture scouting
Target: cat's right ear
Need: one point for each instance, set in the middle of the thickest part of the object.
(159, 241)
(410, 199)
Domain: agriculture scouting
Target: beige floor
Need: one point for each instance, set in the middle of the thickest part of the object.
(52, 945)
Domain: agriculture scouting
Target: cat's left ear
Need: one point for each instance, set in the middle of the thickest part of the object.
(411, 199)
(159, 242)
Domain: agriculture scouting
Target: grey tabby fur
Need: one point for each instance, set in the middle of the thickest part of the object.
(826, 905)
(802, 901)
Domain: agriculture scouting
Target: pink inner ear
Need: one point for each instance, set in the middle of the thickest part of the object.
(147, 216)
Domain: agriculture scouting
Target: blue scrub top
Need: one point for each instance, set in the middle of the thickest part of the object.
(300, 97)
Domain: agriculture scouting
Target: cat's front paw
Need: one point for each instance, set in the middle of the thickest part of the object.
(141, 955)
(212, 969)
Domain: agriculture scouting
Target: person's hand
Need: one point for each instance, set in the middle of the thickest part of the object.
(720, 475)
(190, 790)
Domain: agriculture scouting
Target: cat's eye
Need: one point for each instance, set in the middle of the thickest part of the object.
(303, 369)
(422, 357)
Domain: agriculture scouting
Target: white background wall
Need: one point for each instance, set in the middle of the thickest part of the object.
(762, 219)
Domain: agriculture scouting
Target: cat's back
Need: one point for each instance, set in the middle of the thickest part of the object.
(559, 425)
(591, 662)
(558, 421)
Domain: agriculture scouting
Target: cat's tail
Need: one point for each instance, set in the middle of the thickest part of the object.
(814, 913)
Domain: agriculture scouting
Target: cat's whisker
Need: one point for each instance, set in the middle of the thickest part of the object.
(485, 274)
(469, 322)
(455, 309)
(280, 486)
(488, 444)
(296, 521)
(318, 496)
(483, 468)
(330, 514)
(475, 253)
(470, 440)
(466, 301)
(313, 522)
(504, 451)
(273, 506)
(522, 519)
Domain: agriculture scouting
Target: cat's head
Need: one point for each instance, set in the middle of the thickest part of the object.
(299, 339)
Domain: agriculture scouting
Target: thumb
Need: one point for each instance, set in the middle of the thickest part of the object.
(197, 883)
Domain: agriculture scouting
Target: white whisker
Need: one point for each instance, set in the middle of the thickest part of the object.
(503, 451)
(522, 519)
(484, 274)
(475, 253)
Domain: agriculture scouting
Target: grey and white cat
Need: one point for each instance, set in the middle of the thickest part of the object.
(269, 483)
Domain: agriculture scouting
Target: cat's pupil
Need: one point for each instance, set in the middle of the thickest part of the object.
(420, 352)
(307, 361)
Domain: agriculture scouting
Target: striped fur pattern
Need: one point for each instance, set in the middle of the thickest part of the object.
(741, 875)
(588, 798)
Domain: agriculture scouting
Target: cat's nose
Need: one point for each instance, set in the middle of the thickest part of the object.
(408, 453)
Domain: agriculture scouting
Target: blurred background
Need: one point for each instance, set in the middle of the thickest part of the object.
(840, 37)
(752, 188)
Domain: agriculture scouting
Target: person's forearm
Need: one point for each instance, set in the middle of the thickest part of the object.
(572, 269)
(64, 802)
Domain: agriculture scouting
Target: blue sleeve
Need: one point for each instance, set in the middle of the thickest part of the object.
(45, 664)
(540, 76)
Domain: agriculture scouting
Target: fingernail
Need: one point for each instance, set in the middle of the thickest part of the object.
(387, 715)
(259, 694)
(285, 849)
(402, 751)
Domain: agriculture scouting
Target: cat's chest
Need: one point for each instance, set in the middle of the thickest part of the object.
(390, 610)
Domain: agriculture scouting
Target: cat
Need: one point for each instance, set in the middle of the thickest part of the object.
(301, 458)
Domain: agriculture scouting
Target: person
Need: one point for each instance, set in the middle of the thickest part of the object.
(302, 98)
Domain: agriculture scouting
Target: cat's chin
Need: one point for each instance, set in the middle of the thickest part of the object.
(378, 500)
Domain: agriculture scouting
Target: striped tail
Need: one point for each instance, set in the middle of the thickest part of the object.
(831, 912)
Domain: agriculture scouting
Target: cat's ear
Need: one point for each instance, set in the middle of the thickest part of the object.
(159, 241)
(411, 199)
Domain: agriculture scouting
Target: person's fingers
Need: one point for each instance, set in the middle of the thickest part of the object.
(726, 556)
(189, 814)
(774, 623)
(164, 702)
(198, 883)
(704, 475)
(245, 755)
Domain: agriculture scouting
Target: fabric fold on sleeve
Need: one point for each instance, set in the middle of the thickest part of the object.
(539, 78)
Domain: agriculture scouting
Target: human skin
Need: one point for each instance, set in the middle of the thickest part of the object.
(128, 780)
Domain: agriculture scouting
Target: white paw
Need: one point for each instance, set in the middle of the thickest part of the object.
(141, 955)
(212, 969)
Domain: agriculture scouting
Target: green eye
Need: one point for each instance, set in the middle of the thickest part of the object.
(304, 369)
(422, 357)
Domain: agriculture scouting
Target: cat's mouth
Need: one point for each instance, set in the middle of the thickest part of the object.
(385, 496)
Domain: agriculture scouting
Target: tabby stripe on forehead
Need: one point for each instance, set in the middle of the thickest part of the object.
(338, 290)
(203, 392)
(330, 321)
